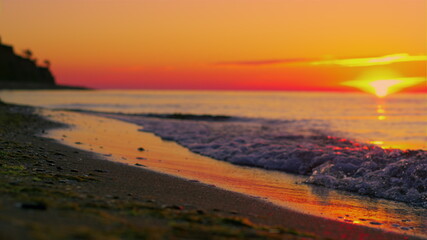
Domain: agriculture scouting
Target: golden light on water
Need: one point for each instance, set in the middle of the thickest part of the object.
(381, 112)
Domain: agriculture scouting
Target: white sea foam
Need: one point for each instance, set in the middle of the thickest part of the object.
(296, 147)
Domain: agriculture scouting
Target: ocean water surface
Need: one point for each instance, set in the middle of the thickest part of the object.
(348, 141)
(398, 121)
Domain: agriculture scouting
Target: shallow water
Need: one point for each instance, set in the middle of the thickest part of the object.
(291, 147)
(119, 141)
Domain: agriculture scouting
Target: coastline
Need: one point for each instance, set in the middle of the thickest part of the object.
(119, 141)
(100, 199)
(8, 85)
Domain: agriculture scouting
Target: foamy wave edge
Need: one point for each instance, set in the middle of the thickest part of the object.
(292, 147)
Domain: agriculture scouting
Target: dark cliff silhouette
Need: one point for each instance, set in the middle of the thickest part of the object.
(18, 72)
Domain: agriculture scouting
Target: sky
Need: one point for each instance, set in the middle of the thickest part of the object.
(224, 44)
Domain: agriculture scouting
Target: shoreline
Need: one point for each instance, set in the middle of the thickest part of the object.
(97, 190)
(118, 141)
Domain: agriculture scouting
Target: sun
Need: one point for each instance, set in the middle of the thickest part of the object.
(384, 87)
(382, 83)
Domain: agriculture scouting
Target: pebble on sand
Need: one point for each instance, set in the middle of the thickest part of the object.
(32, 205)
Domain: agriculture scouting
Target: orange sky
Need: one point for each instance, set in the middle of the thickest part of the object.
(216, 44)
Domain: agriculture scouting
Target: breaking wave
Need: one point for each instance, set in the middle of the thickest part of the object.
(297, 147)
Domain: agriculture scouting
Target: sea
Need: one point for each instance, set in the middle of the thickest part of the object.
(396, 121)
(352, 142)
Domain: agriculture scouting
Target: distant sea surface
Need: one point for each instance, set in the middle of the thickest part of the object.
(398, 121)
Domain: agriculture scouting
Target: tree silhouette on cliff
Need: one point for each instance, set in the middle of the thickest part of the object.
(27, 53)
(47, 63)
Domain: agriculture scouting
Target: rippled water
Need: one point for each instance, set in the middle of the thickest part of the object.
(398, 121)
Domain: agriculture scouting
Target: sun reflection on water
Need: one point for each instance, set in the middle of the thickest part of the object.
(381, 112)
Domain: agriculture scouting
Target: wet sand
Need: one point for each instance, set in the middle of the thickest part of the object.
(51, 191)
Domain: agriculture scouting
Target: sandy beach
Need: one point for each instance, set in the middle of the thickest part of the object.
(50, 191)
